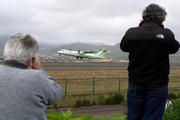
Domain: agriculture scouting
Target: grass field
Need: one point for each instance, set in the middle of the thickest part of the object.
(111, 117)
(81, 81)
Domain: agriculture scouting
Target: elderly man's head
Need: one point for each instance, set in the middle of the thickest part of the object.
(154, 13)
(21, 48)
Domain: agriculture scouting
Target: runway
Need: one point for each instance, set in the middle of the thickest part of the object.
(83, 67)
(88, 67)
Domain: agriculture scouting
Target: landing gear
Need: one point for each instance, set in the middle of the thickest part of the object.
(78, 58)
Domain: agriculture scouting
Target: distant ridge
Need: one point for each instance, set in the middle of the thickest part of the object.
(115, 52)
(3, 39)
(82, 46)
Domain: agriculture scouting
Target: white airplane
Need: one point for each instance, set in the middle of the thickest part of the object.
(83, 54)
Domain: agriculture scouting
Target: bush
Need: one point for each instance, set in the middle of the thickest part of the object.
(94, 103)
(118, 98)
(178, 95)
(101, 99)
(172, 111)
(110, 101)
(65, 116)
(172, 96)
(86, 102)
(55, 106)
(125, 109)
(78, 104)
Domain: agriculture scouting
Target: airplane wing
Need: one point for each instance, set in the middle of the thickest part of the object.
(89, 51)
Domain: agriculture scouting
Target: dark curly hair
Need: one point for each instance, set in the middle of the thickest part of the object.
(154, 13)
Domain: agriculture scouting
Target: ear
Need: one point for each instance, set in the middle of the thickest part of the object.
(30, 63)
(140, 22)
(162, 22)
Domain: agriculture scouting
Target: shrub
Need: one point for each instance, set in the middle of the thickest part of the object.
(178, 95)
(55, 106)
(86, 102)
(172, 96)
(65, 116)
(118, 98)
(172, 111)
(94, 103)
(78, 104)
(110, 101)
(125, 109)
(101, 99)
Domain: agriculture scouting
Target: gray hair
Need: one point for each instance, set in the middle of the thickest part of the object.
(21, 48)
(154, 13)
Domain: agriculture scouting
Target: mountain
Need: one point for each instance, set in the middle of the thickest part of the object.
(113, 51)
(56, 47)
(43, 46)
(81, 46)
(96, 44)
(112, 47)
(3, 39)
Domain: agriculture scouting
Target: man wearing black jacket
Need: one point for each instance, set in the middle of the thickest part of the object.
(149, 46)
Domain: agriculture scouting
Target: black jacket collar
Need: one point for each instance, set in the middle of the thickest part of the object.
(14, 64)
(151, 24)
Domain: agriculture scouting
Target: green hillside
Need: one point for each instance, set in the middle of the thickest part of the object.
(118, 55)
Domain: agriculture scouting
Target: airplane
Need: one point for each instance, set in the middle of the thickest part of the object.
(83, 54)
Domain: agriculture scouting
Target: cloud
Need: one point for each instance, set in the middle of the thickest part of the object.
(68, 21)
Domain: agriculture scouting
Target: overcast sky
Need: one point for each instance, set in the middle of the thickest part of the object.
(69, 21)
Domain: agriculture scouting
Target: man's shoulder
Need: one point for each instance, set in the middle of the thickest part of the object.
(38, 73)
(133, 29)
(38, 77)
(136, 29)
(168, 30)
